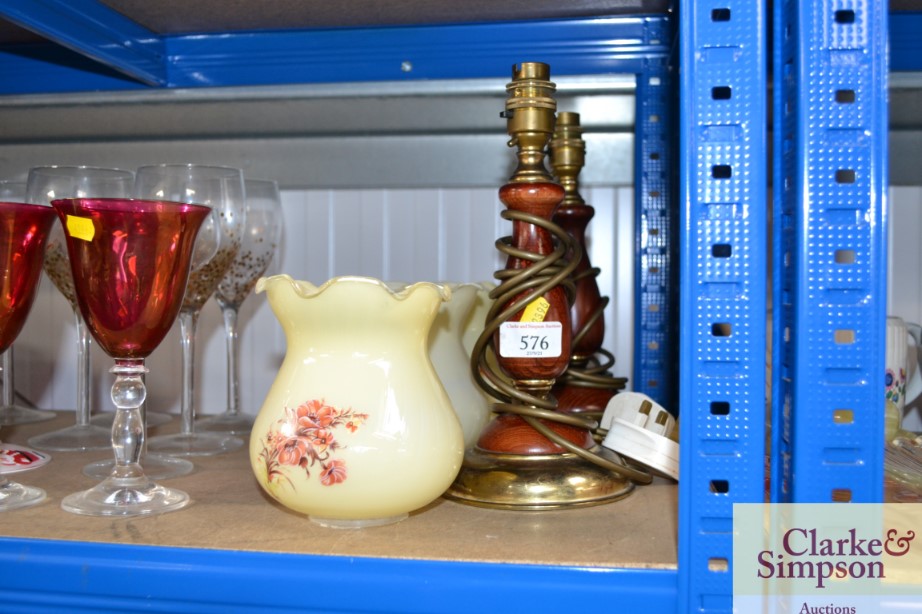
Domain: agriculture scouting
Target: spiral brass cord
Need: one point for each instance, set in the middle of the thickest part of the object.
(595, 372)
(545, 273)
(568, 151)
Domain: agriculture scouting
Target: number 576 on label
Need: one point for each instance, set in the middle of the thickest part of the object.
(530, 339)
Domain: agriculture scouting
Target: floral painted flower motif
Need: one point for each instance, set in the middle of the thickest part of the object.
(334, 472)
(895, 385)
(305, 437)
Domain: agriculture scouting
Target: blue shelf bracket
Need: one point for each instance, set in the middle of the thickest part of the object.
(96, 31)
(830, 175)
(724, 216)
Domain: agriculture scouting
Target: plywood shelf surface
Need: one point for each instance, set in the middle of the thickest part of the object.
(230, 512)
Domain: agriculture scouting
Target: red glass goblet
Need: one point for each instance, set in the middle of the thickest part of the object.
(130, 261)
(12, 412)
(23, 231)
(44, 184)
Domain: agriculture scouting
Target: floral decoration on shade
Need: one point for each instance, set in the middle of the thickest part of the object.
(305, 437)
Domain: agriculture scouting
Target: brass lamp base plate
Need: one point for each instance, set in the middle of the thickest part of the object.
(531, 483)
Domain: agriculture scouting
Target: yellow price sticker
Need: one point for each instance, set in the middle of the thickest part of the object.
(80, 227)
(536, 310)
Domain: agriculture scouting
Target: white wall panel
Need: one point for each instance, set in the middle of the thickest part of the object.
(904, 277)
(904, 274)
(406, 234)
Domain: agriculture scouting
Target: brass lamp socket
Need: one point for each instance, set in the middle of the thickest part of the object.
(568, 155)
(530, 117)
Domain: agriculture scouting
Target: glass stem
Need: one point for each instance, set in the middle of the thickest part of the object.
(8, 390)
(6, 394)
(233, 369)
(143, 411)
(187, 322)
(84, 370)
(128, 394)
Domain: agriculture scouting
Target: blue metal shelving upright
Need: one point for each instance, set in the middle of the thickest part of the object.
(655, 244)
(723, 260)
(830, 77)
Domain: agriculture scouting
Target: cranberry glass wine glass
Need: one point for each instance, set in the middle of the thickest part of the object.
(44, 184)
(23, 231)
(222, 190)
(130, 261)
(14, 191)
(261, 235)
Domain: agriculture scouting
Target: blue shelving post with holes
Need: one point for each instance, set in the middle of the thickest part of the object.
(724, 215)
(655, 244)
(830, 179)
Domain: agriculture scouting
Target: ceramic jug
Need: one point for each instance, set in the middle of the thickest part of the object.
(357, 429)
(453, 362)
(473, 328)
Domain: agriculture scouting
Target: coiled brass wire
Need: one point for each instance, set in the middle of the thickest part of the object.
(595, 372)
(545, 273)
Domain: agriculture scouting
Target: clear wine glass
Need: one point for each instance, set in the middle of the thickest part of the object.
(10, 412)
(222, 190)
(12, 190)
(130, 261)
(261, 236)
(44, 184)
(24, 229)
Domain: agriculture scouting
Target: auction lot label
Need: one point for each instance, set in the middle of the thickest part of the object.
(827, 558)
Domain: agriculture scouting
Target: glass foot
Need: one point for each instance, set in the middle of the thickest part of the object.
(153, 418)
(362, 523)
(17, 414)
(76, 438)
(130, 496)
(235, 424)
(156, 467)
(193, 444)
(15, 496)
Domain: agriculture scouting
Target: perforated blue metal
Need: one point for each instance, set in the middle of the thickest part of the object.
(830, 177)
(655, 244)
(724, 248)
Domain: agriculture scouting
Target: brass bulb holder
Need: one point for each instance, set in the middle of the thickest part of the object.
(530, 118)
(568, 156)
